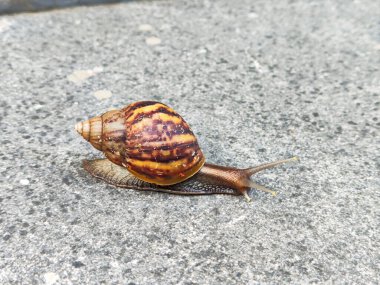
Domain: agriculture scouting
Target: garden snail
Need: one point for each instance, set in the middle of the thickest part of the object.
(150, 147)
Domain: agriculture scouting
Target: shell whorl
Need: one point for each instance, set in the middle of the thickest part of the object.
(149, 139)
(91, 131)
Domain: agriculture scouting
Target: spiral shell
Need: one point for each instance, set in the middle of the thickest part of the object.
(149, 139)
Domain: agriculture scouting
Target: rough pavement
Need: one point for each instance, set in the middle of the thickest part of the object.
(256, 80)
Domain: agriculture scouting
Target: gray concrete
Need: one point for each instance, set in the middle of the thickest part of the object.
(256, 80)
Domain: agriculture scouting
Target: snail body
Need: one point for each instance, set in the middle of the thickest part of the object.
(149, 146)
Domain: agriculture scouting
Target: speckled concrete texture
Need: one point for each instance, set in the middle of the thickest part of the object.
(256, 80)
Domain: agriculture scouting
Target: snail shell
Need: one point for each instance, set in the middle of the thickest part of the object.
(149, 139)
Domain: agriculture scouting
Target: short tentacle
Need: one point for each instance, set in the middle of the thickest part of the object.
(256, 186)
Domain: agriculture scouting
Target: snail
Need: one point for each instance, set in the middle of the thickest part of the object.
(149, 146)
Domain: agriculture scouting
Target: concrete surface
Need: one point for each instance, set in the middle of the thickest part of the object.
(256, 80)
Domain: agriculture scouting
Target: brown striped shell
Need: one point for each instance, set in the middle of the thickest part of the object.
(149, 139)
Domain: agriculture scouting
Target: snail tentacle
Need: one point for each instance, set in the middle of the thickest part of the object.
(252, 170)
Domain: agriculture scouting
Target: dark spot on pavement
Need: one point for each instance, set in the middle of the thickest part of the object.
(78, 264)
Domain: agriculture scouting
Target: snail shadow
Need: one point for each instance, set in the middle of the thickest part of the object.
(22, 6)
